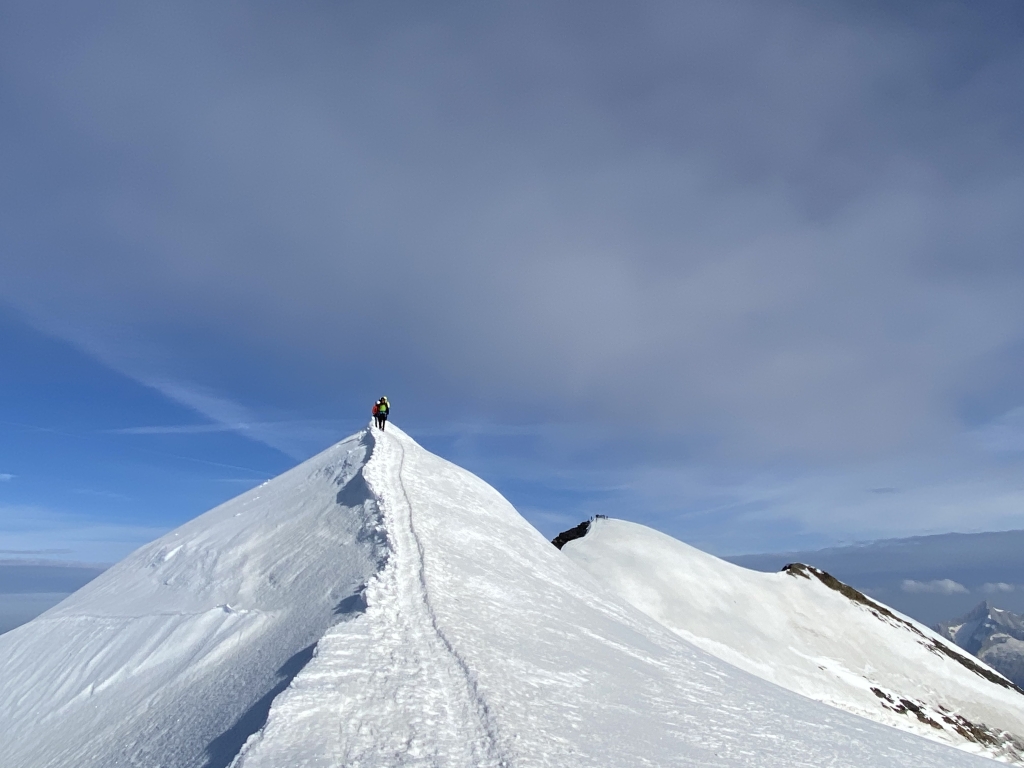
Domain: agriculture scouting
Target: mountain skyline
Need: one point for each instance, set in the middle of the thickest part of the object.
(931, 579)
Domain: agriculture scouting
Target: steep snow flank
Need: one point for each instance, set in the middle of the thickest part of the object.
(172, 657)
(796, 630)
(482, 645)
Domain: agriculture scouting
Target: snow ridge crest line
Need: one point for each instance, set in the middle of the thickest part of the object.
(487, 721)
(386, 688)
(458, 699)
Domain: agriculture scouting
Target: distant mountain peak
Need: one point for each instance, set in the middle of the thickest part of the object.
(980, 611)
(994, 635)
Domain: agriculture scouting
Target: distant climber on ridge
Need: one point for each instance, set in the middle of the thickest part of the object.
(381, 409)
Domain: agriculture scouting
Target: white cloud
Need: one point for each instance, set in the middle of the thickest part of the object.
(997, 587)
(6, 478)
(142, 362)
(939, 586)
(179, 429)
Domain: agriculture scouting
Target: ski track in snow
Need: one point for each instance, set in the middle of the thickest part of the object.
(388, 688)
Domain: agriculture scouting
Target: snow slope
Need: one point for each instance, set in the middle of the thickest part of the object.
(447, 632)
(484, 646)
(171, 657)
(810, 634)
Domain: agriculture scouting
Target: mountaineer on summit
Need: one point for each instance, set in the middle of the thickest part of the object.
(381, 409)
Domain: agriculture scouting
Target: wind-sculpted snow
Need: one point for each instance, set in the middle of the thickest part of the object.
(480, 646)
(811, 634)
(172, 657)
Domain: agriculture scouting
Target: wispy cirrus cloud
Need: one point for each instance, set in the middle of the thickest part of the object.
(36, 551)
(179, 429)
(937, 586)
(101, 494)
(249, 428)
(227, 414)
(295, 438)
(147, 364)
(6, 478)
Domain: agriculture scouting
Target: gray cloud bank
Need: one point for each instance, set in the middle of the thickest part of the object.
(784, 231)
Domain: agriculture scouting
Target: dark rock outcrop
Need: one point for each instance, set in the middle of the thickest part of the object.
(884, 614)
(573, 533)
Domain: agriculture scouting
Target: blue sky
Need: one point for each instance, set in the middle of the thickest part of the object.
(748, 272)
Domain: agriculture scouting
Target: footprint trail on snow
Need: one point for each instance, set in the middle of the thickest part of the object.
(388, 687)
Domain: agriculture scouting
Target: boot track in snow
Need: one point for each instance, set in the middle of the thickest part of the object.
(388, 688)
(471, 714)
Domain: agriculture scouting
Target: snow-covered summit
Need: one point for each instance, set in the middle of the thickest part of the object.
(379, 606)
(806, 631)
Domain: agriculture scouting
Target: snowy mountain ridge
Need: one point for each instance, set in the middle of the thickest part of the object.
(891, 617)
(379, 606)
(807, 631)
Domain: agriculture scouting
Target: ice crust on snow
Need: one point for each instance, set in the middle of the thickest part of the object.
(443, 630)
(809, 635)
